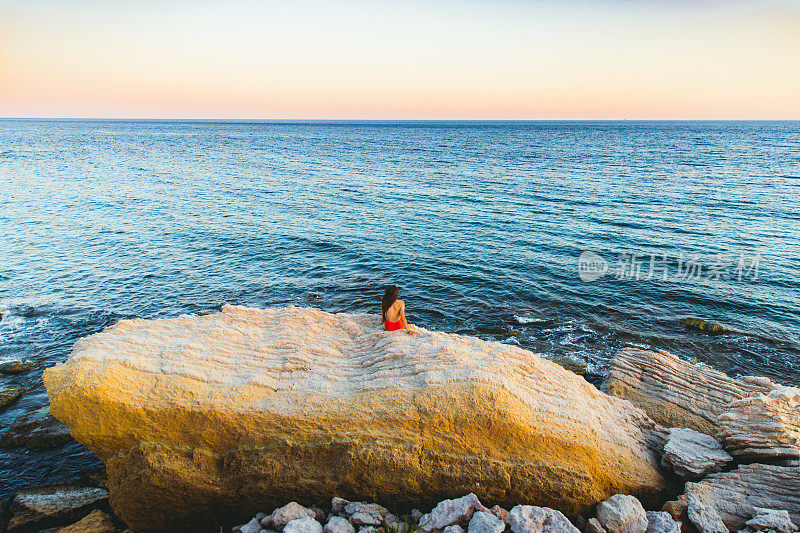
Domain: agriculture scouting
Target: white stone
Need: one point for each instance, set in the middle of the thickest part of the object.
(337, 524)
(662, 522)
(532, 519)
(453, 529)
(485, 522)
(704, 516)
(281, 516)
(693, 454)
(253, 526)
(306, 524)
(774, 519)
(766, 426)
(622, 514)
(677, 393)
(450, 512)
(365, 514)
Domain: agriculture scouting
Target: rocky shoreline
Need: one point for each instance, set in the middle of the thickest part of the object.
(440, 422)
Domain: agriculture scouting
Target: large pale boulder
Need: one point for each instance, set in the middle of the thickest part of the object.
(736, 495)
(766, 426)
(676, 393)
(210, 419)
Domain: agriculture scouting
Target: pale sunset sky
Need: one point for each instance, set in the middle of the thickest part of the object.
(435, 59)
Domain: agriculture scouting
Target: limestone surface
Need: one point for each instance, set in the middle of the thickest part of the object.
(40, 508)
(533, 519)
(676, 393)
(735, 495)
(622, 514)
(662, 522)
(246, 409)
(772, 519)
(693, 454)
(766, 426)
(704, 516)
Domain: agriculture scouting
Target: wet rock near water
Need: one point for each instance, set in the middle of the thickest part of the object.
(35, 509)
(676, 393)
(37, 430)
(17, 367)
(9, 395)
(287, 402)
(763, 427)
(692, 454)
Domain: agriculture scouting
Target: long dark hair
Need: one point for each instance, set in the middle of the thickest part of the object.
(389, 297)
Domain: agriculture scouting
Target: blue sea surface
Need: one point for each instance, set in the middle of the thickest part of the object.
(481, 224)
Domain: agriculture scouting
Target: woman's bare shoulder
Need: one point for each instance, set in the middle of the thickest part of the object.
(401, 303)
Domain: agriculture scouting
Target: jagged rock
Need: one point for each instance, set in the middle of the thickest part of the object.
(9, 395)
(485, 522)
(704, 516)
(450, 512)
(735, 494)
(36, 430)
(676, 393)
(253, 526)
(532, 519)
(338, 504)
(17, 367)
(662, 522)
(365, 514)
(693, 454)
(95, 522)
(622, 513)
(291, 511)
(772, 519)
(337, 524)
(454, 529)
(500, 513)
(307, 524)
(593, 525)
(35, 509)
(204, 419)
(763, 426)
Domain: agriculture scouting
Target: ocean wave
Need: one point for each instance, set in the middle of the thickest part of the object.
(528, 319)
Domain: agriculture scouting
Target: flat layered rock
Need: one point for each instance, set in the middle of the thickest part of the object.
(737, 494)
(676, 393)
(247, 409)
(766, 426)
(38, 508)
(692, 454)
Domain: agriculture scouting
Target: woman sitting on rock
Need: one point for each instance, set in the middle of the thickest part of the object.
(394, 311)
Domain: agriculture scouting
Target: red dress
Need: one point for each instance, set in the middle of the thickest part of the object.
(391, 326)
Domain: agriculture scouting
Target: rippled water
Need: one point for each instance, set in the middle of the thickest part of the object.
(480, 224)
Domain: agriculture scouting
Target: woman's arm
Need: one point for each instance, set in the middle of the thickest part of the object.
(405, 322)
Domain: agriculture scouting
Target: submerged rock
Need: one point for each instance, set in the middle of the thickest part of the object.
(37, 430)
(9, 395)
(676, 393)
(736, 494)
(622, 514)
(532, 519)
(693, 454)
(205, 419)
(766, 426)
(35, 509)
(17, 367)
